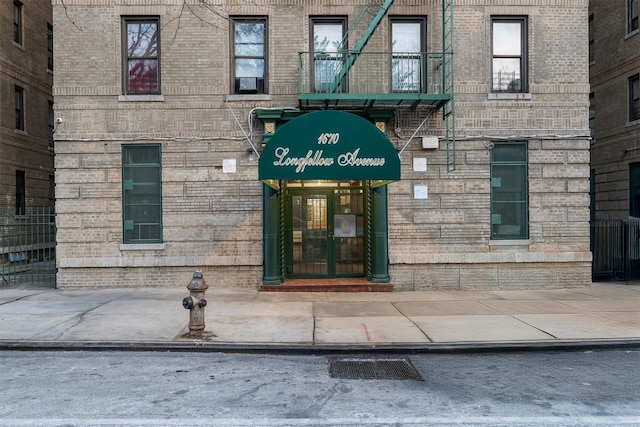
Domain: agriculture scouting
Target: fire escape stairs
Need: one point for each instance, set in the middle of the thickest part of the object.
(377, 10)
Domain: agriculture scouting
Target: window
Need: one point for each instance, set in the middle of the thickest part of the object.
(49, 47)
(52, 188)
(592, 39)
(509, 54)
(141, 194)
(19, 108)
(249, 59)
(632, 13)
(52, 199)
(17, 22)
(51, 122)
(634, 190)
(592, 198)
(328, 57)
(407, 64)
(634, 98)
(21, 193)
(142, 52)
(509, 191)
(592, 116)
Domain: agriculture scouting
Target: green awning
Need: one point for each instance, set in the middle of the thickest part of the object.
(329, 145)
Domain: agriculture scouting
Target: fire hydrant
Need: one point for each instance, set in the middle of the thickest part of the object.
(195, 303)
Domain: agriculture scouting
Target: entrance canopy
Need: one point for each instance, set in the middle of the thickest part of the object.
(329, 145)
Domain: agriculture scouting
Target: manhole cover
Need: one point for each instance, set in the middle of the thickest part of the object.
(373, 369)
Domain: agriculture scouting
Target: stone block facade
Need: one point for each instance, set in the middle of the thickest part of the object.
(212, 215)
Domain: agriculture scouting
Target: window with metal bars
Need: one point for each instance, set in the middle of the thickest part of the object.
(509, 191)
(142, 193)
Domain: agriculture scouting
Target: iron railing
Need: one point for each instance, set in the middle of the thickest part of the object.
(380, 78)
(615, 246)
(28, 247)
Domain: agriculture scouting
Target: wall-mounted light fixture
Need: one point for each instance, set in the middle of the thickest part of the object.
(58, 123)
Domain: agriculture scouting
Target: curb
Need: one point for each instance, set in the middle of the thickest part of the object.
(468, 347)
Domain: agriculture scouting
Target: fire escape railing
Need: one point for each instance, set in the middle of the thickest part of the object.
(354, 77)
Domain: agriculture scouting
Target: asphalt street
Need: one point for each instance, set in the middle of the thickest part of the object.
(112, 388)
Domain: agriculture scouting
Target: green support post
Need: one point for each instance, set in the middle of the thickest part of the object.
(380, 241)
(271, 241)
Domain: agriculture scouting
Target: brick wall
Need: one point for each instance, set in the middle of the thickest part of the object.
(25, 66)
(213, 220)
(616, 141)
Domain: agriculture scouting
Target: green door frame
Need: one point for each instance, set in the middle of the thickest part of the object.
(376, 262)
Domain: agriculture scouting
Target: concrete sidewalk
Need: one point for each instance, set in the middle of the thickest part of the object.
(241, 319)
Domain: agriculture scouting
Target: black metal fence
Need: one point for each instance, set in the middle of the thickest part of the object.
(616, 250)
(28, 247)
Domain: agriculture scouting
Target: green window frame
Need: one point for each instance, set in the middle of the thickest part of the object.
(142, 193)
(509, 191)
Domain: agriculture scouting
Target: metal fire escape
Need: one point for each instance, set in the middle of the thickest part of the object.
(363, 79)
(448, 109)
(372, 8)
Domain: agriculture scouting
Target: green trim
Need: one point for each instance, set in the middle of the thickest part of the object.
(509, 191)
(369, 100)
(380, 237)
(141, 193)
(271, 239)
(329, 145)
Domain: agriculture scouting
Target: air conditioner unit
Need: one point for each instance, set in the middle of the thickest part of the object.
(248, 83)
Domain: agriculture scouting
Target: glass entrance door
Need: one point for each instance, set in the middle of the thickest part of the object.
(325, 232)
(310, 234)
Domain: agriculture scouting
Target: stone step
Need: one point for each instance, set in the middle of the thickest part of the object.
(328, 285)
